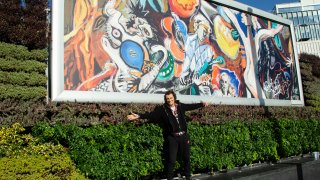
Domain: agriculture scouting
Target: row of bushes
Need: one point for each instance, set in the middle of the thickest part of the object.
(23, 156)
(12, 51)
(23, 79)
(10, 91)
(28, 113)
(26, 26)
(310, 74)
(22, 73)
(133, 151)
(28, 66)
(312, 61)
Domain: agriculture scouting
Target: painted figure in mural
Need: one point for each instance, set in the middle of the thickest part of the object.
(226, 88)
(128, 40)
(171, 117)
(275, 66)
(134, 63)
(229, 44)
(176, 31)
(252, 43)
(197, 58)
(80, 51)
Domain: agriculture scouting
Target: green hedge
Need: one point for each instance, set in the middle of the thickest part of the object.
(23, 156)
(313, 61)
(29, 112)
(123, 151)
(132, 151)
(38, 167)
(27, 26)
(297, 137)
(9, 91)
(27, 66)
(23, 79)
(12, 51)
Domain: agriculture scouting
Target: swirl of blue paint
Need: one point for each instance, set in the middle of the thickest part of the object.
(132, 54)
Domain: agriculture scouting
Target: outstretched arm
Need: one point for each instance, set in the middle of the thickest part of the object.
(189, 107)
(152, 116)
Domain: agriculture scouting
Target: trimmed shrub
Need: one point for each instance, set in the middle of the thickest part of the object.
(297, 137)
(313, 61)
(23, 79)
(14, 143)
(132, 151)
(23, 156)
(9, 91)
(19, 52)
(112, 152)
(29, 112)
(24, 26)
(27, 66)
(38, 167)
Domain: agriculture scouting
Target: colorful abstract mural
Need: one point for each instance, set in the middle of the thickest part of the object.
(192, 46)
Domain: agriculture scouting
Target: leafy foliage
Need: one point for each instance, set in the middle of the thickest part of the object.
(297, 137)
(22, 92)
(23, 156)
(112, 152)
(12, 51)
(13, 143)
(24, 26)
(312, 60)
(23, 79)
(310, 73)
(131, 151)
(38, 167)
(232, 144)
(27, 66)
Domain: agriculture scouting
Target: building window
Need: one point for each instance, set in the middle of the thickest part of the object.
(289, 9)
(315, 17)
(297, 33)
(312, 32)
(305, 17)
(312, 7)
(295, 18)
(284, 15)
(289, 16)
(300, 17)
(317, 31)
(310, 17)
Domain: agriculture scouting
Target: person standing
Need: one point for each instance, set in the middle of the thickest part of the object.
(171, 118)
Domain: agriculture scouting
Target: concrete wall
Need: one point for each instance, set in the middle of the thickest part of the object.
(310, 47)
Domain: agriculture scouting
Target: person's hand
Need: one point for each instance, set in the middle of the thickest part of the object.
(205, 104)
(132, 116)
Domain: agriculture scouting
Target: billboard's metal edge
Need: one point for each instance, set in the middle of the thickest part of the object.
(57, 51)
(88, 96)
(297, 64)
(251, 10)
(57, 66)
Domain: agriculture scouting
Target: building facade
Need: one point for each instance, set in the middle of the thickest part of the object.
(306, 20)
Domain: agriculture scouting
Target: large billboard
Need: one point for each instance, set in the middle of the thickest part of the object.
(127, 51)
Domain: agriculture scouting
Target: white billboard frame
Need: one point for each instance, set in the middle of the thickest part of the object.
(56, 77)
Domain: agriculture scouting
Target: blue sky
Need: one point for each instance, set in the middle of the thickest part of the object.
(266, 5)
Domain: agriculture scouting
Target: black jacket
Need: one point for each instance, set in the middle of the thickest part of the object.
(165, 118)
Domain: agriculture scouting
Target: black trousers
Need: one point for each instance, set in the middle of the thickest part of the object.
(175, 146)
